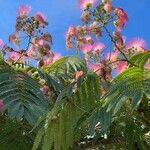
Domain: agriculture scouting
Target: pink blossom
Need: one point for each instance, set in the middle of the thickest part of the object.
(89, 39)
(121, 13)
(52, 58)
(31, 51)
(86, 48)
(56, 56)
(112, 56)
(15, 56)
(14, 38)
(137, 44)
(1, 104)
(119, 23)
(108, 7)
(39, 42)
(71, 30)
(85, 3)
(78, 74)
(98, 46)
(122, 18)
(48, 61)
(95, 67)
(24, 10)
(147, 65)
(45, 89)
(1, 43)
(119, 39)
(121, 66)
(40, 17)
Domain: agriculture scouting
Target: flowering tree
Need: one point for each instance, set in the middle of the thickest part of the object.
(98, 99)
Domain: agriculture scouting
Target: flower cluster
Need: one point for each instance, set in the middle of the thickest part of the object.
(96, 20)
(29, 29)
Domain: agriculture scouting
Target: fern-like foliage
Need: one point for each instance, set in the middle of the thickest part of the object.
(64, 119)
(15, 135)
(21, 94)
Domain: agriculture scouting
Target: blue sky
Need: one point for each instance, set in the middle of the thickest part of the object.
(62, 13)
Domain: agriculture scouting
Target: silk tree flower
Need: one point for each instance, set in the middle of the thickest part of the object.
(45, 89)
(1, 104)
(15, 56)
(94, 28)
(40, 17)
(136, 44)
(119, 39)
(38, 42)
(108, 7)
(14, 38)
(97, 48)
(121, 66)
(95, 67)
(112, 56)
(56, 57)
(31, 51)
(121, 13)
(85, 17)
(71, 30)
(147, 65)
(23, 10)
(1, 43)
(78, 74)
(52, 57)
(120, 24)
(122, 18)
(86, 48)
(89, 39)
(84, 4)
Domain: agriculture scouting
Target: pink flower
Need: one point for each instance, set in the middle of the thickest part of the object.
(1, 104)
(147, 65)
(121, 13)
(1, 43)
(71, 30)
(122, 18)
(112, 56)
(89, 39)
(56, 57)
(119, 23)
(86, 48)
(40, 17)
(14, 38)
(137, 44)
(45, 89)
(108, 7)
(78, 74)
(23, 10)
(98, 46)
(15, 56)
(119, 39)
(52, 57)
(96, 67)
(121, 66)
(84, 4)
(31, 51)
(38, 42)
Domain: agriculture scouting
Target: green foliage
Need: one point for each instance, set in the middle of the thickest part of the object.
(140, 59)
(65, 67)
(78, 111)
(15, 135)
(63, 119)
(21, 94)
